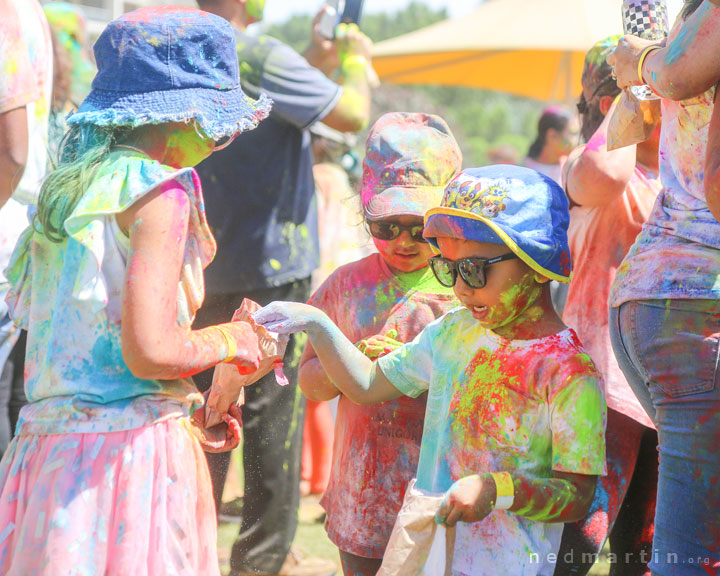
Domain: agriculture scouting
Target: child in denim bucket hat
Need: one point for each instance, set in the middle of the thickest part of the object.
(379, 302)
(514, 426)
(106, 475)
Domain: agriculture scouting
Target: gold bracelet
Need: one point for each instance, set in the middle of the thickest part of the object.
(643, 57)
(505, 490)
(229, 342)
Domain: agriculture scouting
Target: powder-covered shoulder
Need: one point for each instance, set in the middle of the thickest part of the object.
(457, 322)
(565, 361)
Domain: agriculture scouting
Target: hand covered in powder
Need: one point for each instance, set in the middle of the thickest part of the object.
(352, 42)
(470, 499)
(220, 438)
(378, 346)
(289, 317)
(247, 355)
(625, 59)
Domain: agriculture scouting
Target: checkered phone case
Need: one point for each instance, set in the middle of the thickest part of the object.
(646, 18)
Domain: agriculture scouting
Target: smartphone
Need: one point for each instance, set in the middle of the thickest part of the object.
(330, 20)
(352, 12)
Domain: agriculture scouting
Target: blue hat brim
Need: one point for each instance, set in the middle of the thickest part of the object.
(218, 113)
(455, 223)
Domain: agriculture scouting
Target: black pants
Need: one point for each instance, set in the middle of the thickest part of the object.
(12, 392)
(273, 419)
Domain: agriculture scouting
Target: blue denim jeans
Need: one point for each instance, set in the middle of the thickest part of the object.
(668, 351)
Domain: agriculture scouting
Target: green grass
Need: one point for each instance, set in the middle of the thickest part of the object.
(310, 539)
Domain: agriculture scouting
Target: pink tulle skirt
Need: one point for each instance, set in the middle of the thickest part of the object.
(134, 503)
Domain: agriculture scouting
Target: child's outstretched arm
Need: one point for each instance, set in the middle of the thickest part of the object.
(564, 498)
(355, 375)
(154, 346)
(314, 381)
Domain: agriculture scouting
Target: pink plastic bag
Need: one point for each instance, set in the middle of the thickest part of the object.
(229, 380)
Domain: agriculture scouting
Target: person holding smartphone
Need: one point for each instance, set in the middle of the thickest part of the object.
(261, 206)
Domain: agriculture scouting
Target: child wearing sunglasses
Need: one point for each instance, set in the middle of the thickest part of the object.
(515, 420)
(378, 302)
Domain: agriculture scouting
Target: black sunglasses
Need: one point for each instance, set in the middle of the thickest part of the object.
(384, 230)
(471, 270)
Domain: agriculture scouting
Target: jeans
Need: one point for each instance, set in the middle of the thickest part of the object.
(272, 444)
(668, 351)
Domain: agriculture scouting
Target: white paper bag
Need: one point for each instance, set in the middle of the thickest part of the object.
(418, 546)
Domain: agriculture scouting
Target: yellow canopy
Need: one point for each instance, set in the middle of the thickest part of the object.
(532, 48)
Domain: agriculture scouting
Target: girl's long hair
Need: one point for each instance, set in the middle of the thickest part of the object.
(82, 151)
(552, 118)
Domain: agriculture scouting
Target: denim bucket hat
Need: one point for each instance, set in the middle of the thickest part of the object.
(169, 64)
(510, 205)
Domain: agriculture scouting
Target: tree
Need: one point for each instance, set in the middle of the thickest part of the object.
(481, 120)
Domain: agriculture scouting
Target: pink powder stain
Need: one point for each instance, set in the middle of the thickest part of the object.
(597, 143)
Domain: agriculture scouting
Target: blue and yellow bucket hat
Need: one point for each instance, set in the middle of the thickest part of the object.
(510, 205)
(170, 64)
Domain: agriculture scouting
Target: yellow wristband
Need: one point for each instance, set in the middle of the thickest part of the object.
(505, 490)
(354, 64)
(641, 63)
(229, 342)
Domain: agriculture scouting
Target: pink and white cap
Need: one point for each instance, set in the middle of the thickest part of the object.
(409, 159)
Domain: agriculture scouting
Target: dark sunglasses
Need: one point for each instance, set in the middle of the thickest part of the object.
(383, 230)
(471, 270)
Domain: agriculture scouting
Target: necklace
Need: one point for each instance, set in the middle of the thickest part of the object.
(128, 147)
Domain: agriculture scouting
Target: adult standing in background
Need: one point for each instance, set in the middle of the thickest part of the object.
(665, 309)
(612, 193)
(26, 56)
(556, 137)
(261, 206)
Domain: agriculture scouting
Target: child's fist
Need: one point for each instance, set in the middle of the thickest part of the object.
(470, 499)
(288, 317)
(378, 346)
(222, 437)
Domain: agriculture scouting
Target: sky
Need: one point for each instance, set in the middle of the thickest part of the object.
(279, 10)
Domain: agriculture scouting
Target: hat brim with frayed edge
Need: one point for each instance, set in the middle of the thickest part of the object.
(404, 201)
(454, 223)
(218, 113)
